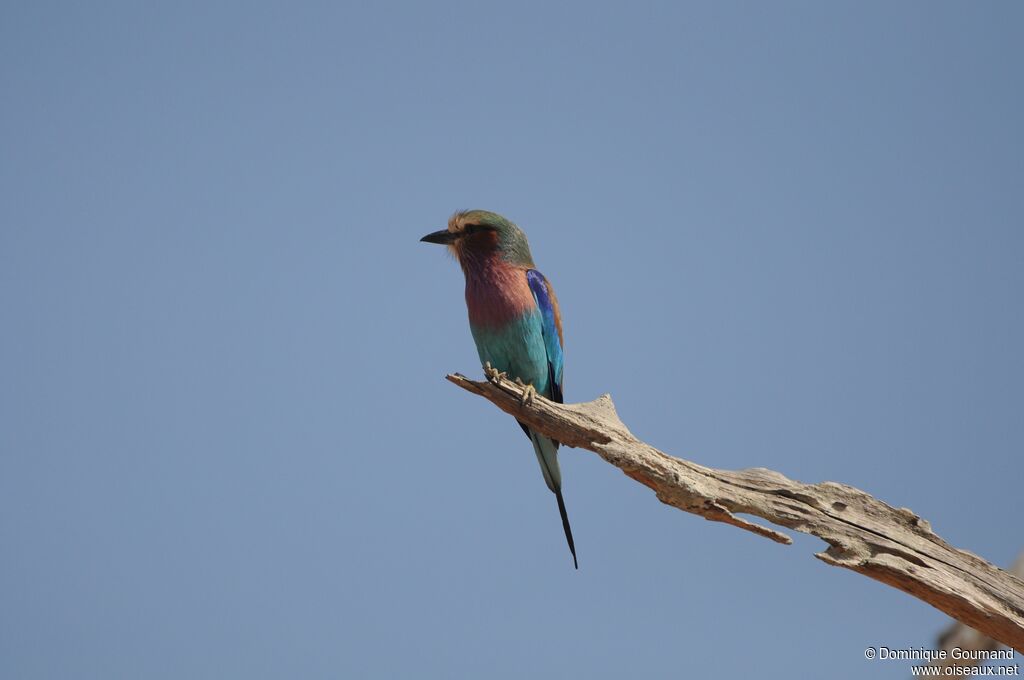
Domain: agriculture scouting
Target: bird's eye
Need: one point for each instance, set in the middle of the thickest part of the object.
(471, 229)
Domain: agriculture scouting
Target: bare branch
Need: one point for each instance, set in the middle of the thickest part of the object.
(891, 545)
(960, 635)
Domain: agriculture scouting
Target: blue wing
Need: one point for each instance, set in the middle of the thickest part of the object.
(545, 448)
(551, 325)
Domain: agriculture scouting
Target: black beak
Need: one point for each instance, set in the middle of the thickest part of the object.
(443, 237)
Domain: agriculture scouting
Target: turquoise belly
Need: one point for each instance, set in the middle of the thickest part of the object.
(517, 349)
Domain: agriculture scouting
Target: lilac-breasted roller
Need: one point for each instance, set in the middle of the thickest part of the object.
(514, 318)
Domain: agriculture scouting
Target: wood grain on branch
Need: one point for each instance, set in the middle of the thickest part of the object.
(891, 545)
(961, 636)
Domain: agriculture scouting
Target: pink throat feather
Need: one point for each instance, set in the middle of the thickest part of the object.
(496, 292)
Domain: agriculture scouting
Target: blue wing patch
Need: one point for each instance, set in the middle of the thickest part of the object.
(552, 343)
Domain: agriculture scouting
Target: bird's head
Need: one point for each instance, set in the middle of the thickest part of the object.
(476, 236)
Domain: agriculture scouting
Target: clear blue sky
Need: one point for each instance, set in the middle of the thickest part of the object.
(787, 235)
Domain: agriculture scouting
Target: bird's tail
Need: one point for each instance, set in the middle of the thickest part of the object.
(547, 455)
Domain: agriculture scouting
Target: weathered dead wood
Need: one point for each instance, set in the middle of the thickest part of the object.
(891, 545)
(959, 635)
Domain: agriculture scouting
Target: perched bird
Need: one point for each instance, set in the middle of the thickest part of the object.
(514, 318)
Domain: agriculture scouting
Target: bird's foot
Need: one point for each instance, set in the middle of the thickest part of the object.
(493, 374)
(529, 392)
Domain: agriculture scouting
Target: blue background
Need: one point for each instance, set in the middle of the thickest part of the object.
(783, 234)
